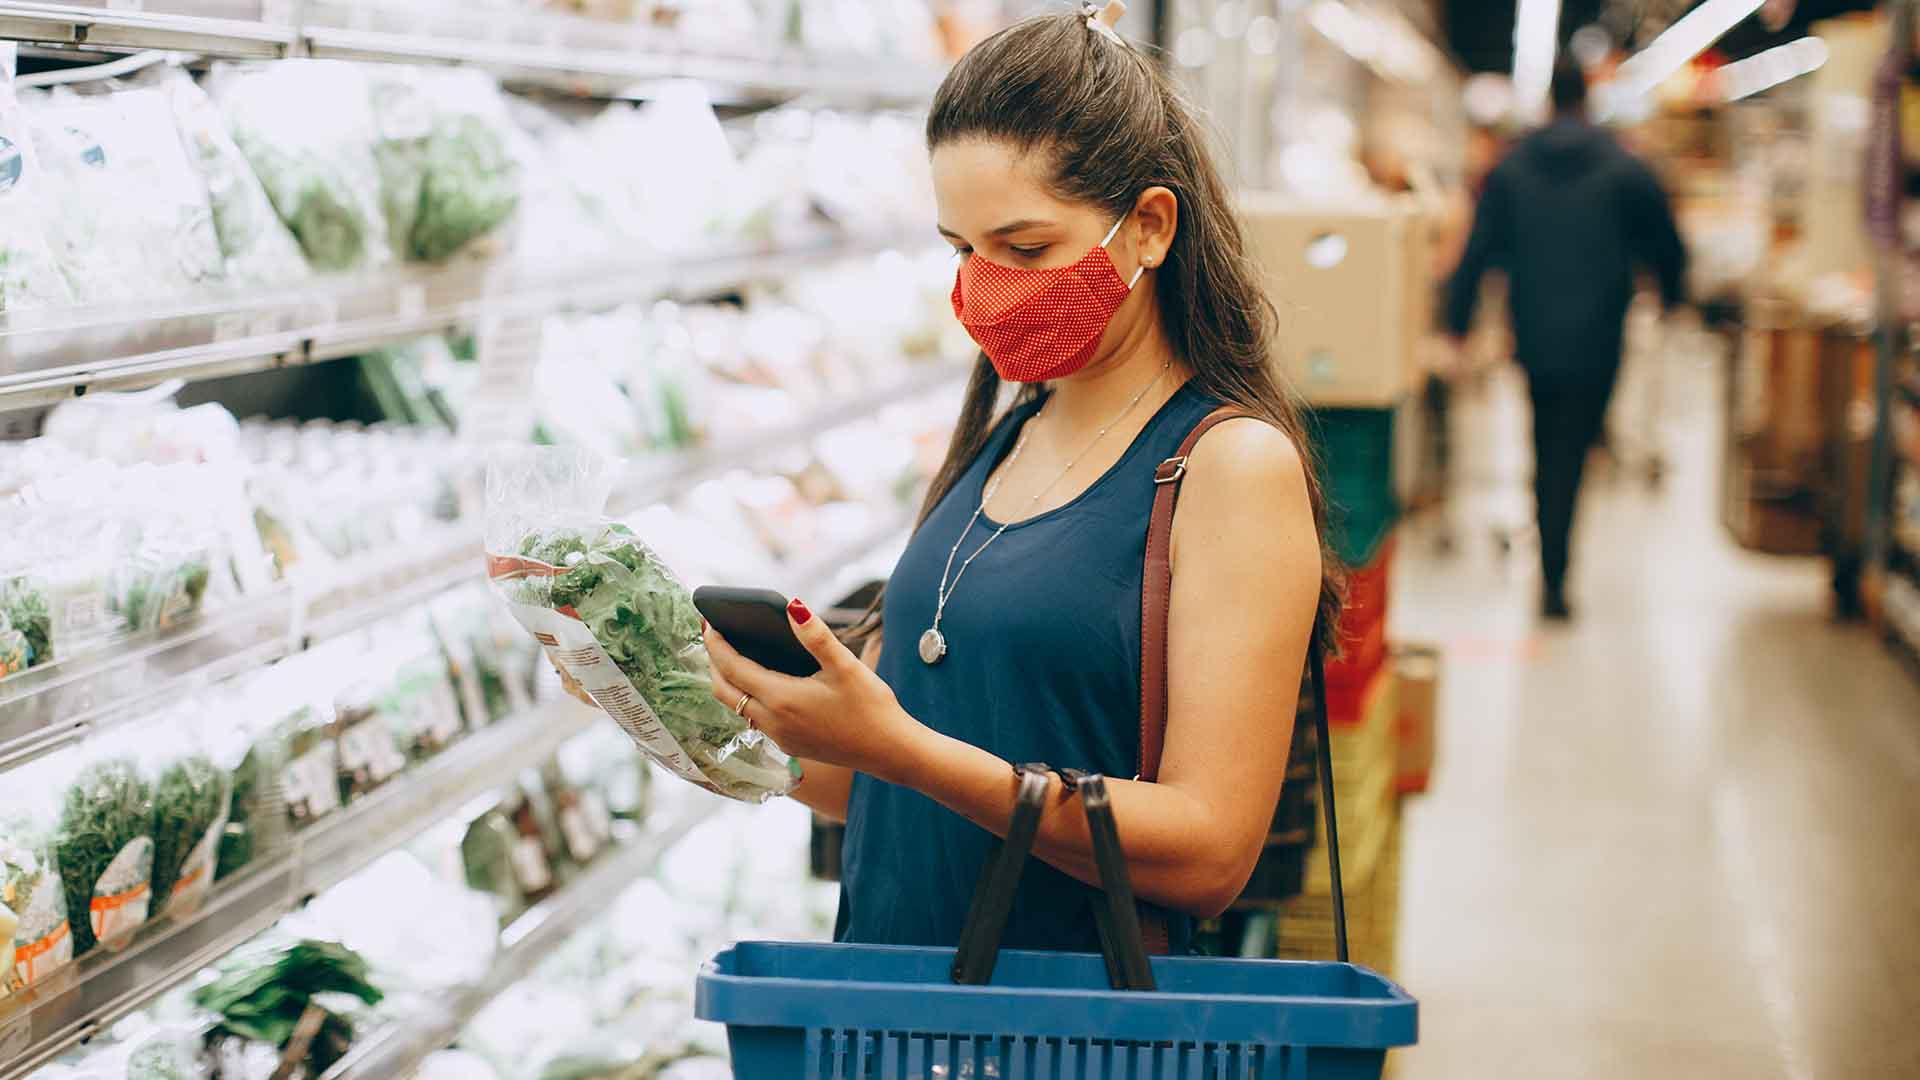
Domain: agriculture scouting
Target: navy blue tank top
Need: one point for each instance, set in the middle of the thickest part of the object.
(1043, 664)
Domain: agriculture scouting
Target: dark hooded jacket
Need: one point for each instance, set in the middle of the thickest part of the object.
(1569, 215)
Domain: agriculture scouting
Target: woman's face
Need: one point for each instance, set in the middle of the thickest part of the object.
(995, 202)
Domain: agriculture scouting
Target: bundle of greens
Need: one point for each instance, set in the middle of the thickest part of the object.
(189, 799)
(644, 620)
(104, 847)
(24, 602)
(446, 176)
(261, 999)
(14, 651)
(316, 164)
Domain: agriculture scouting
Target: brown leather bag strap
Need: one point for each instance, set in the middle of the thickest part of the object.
(1156, 593)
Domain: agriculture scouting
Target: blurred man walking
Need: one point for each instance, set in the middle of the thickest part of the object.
(1569, 215)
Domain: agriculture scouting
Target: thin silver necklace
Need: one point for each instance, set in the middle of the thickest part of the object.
(933, 643)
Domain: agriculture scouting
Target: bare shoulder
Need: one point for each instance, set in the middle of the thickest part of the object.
(1247, 457)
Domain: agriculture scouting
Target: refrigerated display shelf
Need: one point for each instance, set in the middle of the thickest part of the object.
(400, 1047)
(43, 709)
(102, 987)
(50, 355)
(570, 53)
(46, 708)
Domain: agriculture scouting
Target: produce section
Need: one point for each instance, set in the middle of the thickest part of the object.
(252, 364)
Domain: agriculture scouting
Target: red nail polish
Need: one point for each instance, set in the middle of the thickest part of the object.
(801, 616)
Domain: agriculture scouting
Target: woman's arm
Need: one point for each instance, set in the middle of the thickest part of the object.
(1246, 586)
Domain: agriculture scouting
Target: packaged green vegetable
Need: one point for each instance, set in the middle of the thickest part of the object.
(190, 803)
(104, 846)
(316, 164)
(612, 615)
(40, 944)
(260, 997)
(418, 702)
(14, 652)
(446, 176)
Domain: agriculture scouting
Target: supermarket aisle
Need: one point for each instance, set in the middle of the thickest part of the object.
(1677, 839)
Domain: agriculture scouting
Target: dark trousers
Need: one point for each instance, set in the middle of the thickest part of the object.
(1568, 416)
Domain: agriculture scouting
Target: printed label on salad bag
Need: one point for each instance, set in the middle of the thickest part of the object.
(122, 898)
(196, 874)
(571, 645)
(530, 867)
(43, 943)
(311, 783)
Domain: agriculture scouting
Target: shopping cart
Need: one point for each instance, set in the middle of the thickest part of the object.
(867, 1012)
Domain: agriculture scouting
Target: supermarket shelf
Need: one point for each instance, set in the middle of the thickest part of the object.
(105, 986)
(653, 480)
(46, 356)
(399, 1048)
(223, 29)
(46, 708)
(574, 54)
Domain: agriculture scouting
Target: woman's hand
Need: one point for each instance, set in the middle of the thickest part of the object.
(844, 715)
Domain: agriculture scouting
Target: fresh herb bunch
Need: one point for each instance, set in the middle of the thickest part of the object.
(646, 622)
(261, 999)
(25, 606)
(29, 882)
(187, 800)
(237, 840)
(108, 807)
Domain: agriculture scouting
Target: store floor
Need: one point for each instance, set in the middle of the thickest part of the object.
(1680, 838)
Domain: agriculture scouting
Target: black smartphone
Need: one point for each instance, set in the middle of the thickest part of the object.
(754, 622)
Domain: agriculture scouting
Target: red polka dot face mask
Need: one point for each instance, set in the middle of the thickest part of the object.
(1037, 325)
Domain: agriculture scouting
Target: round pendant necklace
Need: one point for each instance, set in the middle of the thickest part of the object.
(933, 643)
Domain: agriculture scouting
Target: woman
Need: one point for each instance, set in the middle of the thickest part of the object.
(1100, 266)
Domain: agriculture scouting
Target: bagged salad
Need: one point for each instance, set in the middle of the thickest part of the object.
(614, 618)
(32, 896)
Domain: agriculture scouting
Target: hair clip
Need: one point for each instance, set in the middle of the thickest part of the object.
(1102, 18)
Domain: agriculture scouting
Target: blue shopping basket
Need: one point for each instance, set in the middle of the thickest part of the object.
(877, 1012)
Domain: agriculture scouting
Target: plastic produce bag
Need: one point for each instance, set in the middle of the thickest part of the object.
(446, 174)
(41, 943)
(131, 219)
(29, 278)
(259, 250)
(103, 842)
(191, 800)
(308, 130)
(612, 615)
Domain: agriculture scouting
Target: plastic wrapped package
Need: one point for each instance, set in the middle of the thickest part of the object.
(29, 276)
(505, 855)
(417, 701)
(243, 742)
(685, 207)
(446, 174)
(293, 757)
(307, 128)
(569, 205)
(192, 795)
(103, 842)
(258, 248)
(41, 943)
(56, 579)
(130, 219)
(612, 615)
(369, 753)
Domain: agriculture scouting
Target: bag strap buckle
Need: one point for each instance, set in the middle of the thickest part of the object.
(1171, 471)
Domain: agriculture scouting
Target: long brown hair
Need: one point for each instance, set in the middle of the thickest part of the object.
(1114, 125)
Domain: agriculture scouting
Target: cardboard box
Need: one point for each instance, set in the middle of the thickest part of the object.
(1418, 668)
(1353, 289)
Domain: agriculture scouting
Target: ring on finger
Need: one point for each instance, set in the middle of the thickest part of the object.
(740, 710)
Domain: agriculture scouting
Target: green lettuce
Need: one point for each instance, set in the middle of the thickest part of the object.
(645, 621)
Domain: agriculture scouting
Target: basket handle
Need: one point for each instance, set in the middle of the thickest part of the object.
(1115, 913)
(1317, 666)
